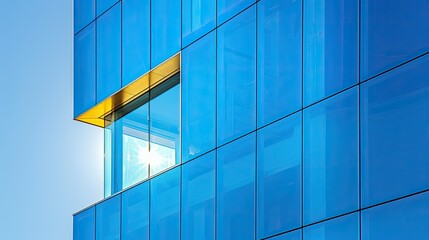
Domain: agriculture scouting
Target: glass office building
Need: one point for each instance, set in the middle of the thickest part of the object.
(249, 120)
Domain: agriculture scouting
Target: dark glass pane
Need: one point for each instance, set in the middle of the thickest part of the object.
(135, 213)
(279, 59)
(236, 68)
(198, 192)
(165, 30)
(103, 5)
(398, 220)
(395, 133)
(198, 18)
(279, 176)
(135, 39)
(84, 225)
(84, 13)
(84, 70)
(331, 160)
(330, 47)
(393, 32)
(109, 53)
(108, 221)
(236, 190)
(295, 235)
(342, 228)
(165, 206)
(199, 97)
(164, 129)
(226, 9)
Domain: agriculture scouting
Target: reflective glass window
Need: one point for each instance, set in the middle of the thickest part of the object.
(345, 227)
(403, 219)
(143, 137)
(84, 13)
(84, 225)
(330, 47)
(165, 30)
(295, 235)
(199, 97)
(108, 161)
(236, 76)
(113, 157)
(135, 213)
(395, 133)
(103, 5)
(108, 219)
(393, 32)
(164, 127)
(84, 70)
(236, 189)
(331, 160)
(198, 192)
(279, 176)
(198, 18)
(226, 9)
(135, 39)
(134, 144)
(279, 59)
(165, 206)
(109, 52)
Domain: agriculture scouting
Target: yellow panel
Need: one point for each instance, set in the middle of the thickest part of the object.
(138, 87)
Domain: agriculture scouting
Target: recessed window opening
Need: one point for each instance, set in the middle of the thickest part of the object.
(142, 138)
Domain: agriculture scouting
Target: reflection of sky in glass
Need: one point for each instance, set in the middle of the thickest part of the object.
(161, 157)
(134, 160)
(137, 158)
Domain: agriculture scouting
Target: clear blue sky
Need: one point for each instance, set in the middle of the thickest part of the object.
(51, 166)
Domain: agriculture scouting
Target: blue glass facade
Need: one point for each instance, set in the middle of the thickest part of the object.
(289, 119)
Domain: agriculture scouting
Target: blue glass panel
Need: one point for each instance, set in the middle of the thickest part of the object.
(164, 130)
(165, 206)
(109, 52)
(84, 70)
(103, 5)
(135, 39)
(84, 225)
(198, 18)
(135, 213)
(226, 9)
(236, 68)
(108, 160)
(199, 97)
(135, 145)
(198, 191)
(84, 13)
(345, 227)
(279, 176)
(279, 59)
(117, 156)
(392, 32)
(395, 135)
(236, 189)
(295, 235)
(108, 220)
(398, 220)
(331, 161)
(165, 30)
(330, 47)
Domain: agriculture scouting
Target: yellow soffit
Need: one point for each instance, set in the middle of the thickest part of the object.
(138, 87)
